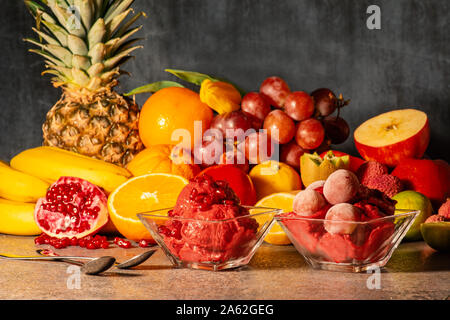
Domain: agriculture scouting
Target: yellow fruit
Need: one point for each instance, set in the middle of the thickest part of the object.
(50, 163)
(164, 158)
(19, 186)
(17, 218)
(3, 164)
(273, 176)
(283, 201)
(141, 194)
(314, 168)
(220, 96)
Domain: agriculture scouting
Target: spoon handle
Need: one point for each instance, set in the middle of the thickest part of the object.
(57, 258)
(41, 258)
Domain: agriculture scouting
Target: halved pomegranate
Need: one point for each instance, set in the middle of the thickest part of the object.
(72, 207)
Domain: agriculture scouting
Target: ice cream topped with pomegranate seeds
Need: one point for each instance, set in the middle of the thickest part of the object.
(208, 223)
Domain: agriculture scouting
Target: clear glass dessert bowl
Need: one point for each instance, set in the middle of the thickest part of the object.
(364, 246)
(209, 244)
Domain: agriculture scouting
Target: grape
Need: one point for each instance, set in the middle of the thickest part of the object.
(291, 153)
(299, 105)
(274, 90)
(310, 134)
(232, 120)
(337, 129)
(255, 122)
(253, 103)
(258, 147)
(325, 100)
(325, 146)
(279, 126)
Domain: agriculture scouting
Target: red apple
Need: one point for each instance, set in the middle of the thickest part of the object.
(355, 162)
(393, 136)
(429, 177)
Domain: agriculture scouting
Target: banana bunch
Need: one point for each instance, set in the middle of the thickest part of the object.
(19, 186)
(30, 175)
(50, 163)
(17, 218)
(18, 193)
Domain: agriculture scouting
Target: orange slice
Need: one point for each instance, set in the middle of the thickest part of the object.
(283, 201)
(140, 194)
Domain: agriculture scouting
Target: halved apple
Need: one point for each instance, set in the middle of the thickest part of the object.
(393, 136)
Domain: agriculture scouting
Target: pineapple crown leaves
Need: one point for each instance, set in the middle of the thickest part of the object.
(84, 42)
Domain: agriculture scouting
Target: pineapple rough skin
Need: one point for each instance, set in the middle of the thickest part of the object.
(103, 126)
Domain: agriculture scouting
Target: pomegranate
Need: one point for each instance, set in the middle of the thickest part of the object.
(72, 207)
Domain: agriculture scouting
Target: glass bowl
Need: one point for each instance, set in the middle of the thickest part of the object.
(209, 244)
(369, 245)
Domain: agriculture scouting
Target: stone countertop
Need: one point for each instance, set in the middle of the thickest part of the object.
(415, 271)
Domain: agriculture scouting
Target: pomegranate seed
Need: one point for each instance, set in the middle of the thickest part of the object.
(97, 243)
(82, 243)
(39, 240)
(124, 244)
(65, 241)
(144, 243)
(74, 241)
(90, 245)
(105, 245)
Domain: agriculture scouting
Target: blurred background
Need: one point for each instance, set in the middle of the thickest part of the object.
(309, 43)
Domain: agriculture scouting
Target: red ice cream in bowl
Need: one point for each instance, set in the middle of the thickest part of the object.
(208, 228)
(339, 224)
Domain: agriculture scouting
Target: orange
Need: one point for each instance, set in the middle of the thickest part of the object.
(164, 158)
(283, 201)
(141, 194)
(170, 109)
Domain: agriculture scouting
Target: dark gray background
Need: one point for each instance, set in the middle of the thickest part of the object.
(310, 43)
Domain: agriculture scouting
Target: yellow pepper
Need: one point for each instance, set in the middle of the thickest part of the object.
(220, 96)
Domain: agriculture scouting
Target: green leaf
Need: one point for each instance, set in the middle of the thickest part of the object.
(190, 76)
(197, 78)
(153, 87)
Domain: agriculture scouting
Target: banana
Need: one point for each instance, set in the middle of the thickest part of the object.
(50, 163)
(19, 186)
(17, 218)
(3, 164)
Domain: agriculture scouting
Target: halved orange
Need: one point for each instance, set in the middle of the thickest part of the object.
(141, 194)
(283, 201)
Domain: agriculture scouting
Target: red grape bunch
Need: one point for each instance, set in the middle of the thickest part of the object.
(297, 121)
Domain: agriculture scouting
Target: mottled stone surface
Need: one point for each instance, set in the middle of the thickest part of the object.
(275, 272)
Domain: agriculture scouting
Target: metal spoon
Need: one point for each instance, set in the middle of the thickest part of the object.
(95, 266)
(134, 261)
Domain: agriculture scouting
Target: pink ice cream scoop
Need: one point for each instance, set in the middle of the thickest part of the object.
(341, 186)
(337, 216)
(307, 202)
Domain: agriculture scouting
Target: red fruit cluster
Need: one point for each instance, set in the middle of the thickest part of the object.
(89, 242)
(298, 121)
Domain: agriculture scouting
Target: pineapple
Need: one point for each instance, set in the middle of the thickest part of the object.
(84, 42)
